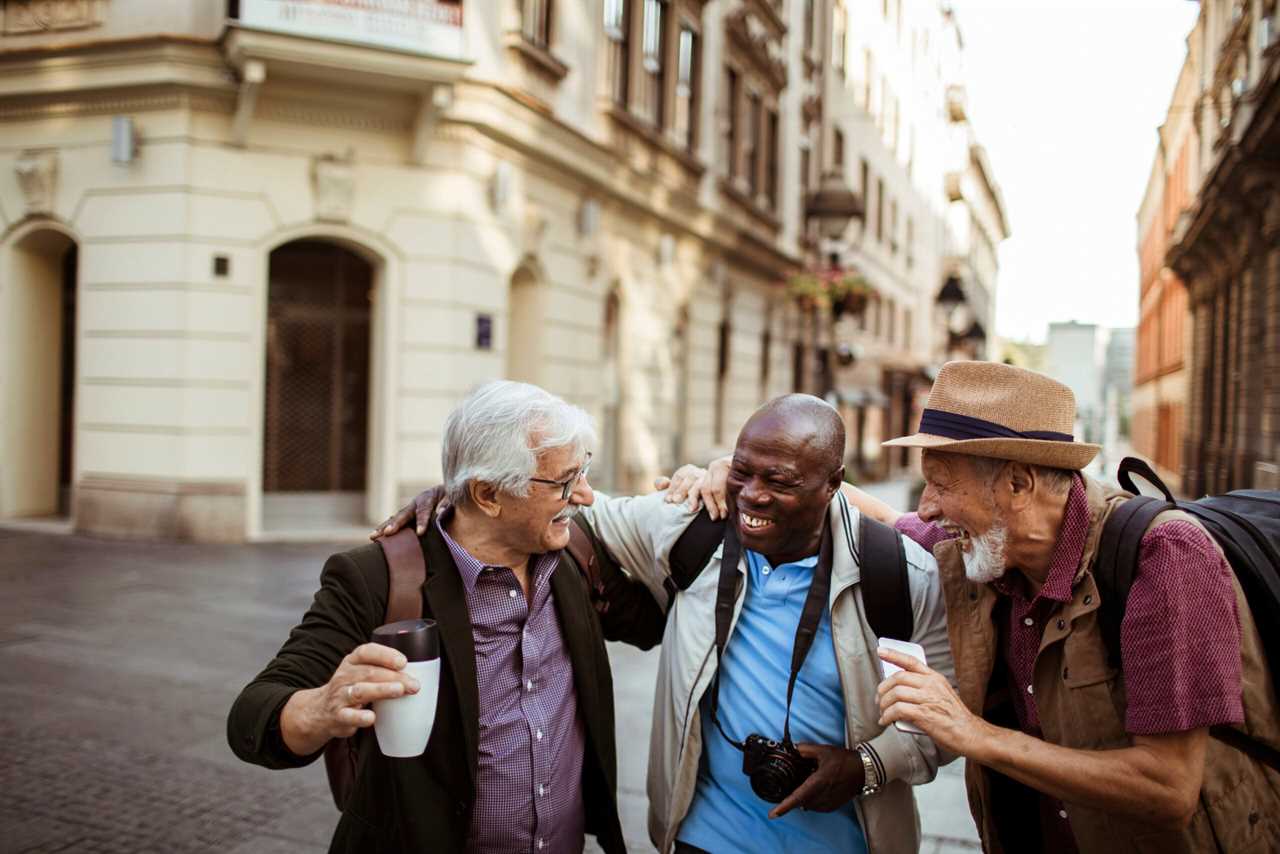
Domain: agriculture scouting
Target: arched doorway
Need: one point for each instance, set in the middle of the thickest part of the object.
(38, 321)
(609, 452)
(526, 325)
(316, 412)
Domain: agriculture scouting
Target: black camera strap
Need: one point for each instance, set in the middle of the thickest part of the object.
(806, 631)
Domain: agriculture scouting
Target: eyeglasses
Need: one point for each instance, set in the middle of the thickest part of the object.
(566, 486)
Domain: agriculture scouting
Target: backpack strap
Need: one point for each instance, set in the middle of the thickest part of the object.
(406, 573)
(690, 554)
(582, 550)
(886, 593)
(1117, 561)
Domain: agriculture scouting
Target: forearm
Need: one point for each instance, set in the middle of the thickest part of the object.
(1139, 781)
(870, 505)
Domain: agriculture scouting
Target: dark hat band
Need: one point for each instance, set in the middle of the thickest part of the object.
(954, 426)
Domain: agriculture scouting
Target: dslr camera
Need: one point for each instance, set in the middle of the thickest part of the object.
(775, 768)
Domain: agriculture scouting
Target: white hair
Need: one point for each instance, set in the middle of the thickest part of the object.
(496, 435)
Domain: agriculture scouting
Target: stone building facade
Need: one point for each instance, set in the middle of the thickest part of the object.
(252, 252)
(1226, 247)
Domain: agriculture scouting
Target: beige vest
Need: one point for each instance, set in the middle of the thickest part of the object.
(1080, 697)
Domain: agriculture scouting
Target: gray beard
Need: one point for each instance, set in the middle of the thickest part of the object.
(985, 560)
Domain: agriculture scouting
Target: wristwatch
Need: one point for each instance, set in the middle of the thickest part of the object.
(871, 781)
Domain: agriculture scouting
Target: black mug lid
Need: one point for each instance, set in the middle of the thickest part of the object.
(419, 640)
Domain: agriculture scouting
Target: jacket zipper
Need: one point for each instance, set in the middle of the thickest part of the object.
(684, 731)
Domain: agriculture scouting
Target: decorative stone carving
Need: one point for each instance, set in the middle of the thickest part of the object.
(500, 187)
(25, 17)
(37, 171)
(535, 230)
(333, 188)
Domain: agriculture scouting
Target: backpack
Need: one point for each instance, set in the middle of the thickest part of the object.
(406, 573)
(886, 594)
(1245, 523)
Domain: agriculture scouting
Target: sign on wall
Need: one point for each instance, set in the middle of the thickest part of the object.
(430, 27)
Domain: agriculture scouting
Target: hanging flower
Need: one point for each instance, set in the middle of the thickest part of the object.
(842, 291)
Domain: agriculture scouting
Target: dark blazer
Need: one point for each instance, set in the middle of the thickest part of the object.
(424, 803)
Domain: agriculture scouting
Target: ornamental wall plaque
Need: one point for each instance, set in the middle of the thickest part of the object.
(26, 17)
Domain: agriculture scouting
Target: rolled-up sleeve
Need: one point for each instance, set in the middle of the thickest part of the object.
(1180, 637)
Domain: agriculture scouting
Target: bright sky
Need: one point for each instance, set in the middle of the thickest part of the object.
(1066, 96)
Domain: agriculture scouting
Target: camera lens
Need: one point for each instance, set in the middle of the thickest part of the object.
(775, 777)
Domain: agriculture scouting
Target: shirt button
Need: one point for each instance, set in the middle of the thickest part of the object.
(1027, 621)
(528, 685)
(1062, 813)
(1030, 689)
(542, 843)
(513, 594)
(765, 571)
(542, 790)
(539, 735)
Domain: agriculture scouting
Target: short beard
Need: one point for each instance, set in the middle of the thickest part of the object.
(984, 562)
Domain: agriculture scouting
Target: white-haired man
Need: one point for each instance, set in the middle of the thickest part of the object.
(521, 756)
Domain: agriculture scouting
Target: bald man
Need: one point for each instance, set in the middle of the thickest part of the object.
(784, 501)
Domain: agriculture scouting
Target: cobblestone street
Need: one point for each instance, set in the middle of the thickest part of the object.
(120, 661)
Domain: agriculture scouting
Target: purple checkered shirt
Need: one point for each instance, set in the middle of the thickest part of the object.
(532, 742)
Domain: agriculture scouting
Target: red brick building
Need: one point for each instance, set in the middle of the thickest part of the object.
(1160, 375)
(1226, 247)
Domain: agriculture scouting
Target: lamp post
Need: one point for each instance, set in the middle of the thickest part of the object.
(836, 208)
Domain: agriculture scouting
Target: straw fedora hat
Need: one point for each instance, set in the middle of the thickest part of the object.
(992, 410)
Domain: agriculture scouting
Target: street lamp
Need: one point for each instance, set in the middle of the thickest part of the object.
(835, 207)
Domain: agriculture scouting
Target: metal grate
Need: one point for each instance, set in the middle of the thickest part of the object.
(317, 384)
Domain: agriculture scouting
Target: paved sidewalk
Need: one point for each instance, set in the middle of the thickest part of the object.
(120, 661)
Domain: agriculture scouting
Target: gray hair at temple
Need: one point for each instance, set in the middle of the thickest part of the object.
(496, 435)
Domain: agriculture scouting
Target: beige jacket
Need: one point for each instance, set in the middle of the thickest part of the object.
(640, 533)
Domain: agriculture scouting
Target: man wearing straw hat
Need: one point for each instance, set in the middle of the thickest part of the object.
(1065, 748)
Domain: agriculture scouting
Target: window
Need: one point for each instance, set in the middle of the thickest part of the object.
(891, 331)
(893, 226)
(865, 186)
(751, 142)
(911, 241)
(839, 41)
(766, 345)
(906, 329)
(837, 149)
(537, 22)
(880, 209)
(771, 158)
(808, 26)
(616, 29)
(651, 64)
(731, 126)
(686, 113)
(870, 72)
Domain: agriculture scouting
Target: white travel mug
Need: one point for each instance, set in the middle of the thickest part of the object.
(403, 724)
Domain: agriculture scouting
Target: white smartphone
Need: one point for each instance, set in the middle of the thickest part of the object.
(888, 668)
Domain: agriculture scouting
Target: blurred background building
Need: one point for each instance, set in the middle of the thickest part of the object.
(1207, 403)
(252, 252)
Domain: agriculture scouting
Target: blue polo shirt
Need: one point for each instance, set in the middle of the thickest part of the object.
(726, 816)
